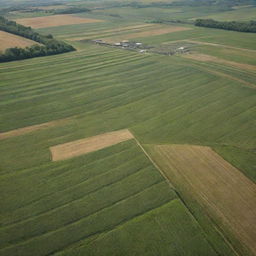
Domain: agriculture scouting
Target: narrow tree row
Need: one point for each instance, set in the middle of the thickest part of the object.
(249, 26)
(49, 45)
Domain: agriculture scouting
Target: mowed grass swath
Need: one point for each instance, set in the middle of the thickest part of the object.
(100, 101)
(131, 102)
(89, 197)
(227, 195)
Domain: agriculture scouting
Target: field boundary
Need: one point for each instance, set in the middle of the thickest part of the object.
(209, 58)
(219, 187)
(154, 163)
(215, 226)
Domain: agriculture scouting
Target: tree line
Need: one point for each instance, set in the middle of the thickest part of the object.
(48, 45)
(249, 26)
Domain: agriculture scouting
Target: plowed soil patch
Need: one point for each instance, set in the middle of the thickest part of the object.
(226, 194)
(8, 40)
(209, 58)
(87, 145)
(54, 21)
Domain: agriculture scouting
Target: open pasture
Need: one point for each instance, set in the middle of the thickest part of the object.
(243, 56)
(87, 145)
(106, 32)
(209, 58)
(225, 193)
(153, 31)
(114, 89)
(54, 21)
(245, 13)
(210, 37)
(69, 206)
(8, 40)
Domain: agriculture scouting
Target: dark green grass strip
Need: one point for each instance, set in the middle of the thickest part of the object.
(46, 185)
(99, 222)
(78, 191)
(80, 208)
(167, 230)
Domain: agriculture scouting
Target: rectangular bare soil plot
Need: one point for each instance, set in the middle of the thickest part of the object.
(54, 21)
(227, 195)
(87, 145)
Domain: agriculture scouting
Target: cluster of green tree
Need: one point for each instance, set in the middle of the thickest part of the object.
(223, 5)
(49, 45)
(49, 11)
(218, 2)
(71, 10)
(249, 26)
(170, 21)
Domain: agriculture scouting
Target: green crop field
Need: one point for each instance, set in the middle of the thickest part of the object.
(96, 200)
(116, 201)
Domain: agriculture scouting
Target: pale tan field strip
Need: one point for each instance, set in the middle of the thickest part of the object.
(226, 194)
(155, 31)
(87, 145)
(54, 21)
(8, 40)
(32, 128)
(107, 32)
(209, 58)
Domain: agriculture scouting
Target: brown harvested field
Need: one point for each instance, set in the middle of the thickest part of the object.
(87, 145)
(54, 21)
(8, 40)
(32, 128)
(225, 193)
(209, 58)
(155, 31)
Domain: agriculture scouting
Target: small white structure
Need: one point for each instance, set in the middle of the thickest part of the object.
(138, 44)
(142, 51)
(181, 48)
(117, 44)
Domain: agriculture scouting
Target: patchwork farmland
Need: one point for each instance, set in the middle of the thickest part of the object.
(223, 190)
(107, 150)
(54, 21)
